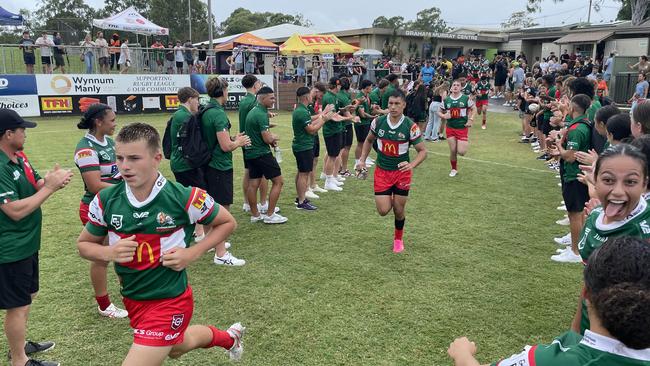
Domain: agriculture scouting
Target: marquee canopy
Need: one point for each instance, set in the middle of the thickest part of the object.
(8, 18)
(130, 20)
(247, 41)
(315, 44)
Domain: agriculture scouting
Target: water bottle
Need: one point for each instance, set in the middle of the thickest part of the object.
(278, 154)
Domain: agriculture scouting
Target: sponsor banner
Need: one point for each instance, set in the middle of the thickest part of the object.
(18, 85)
(83, 84)
(25, 105)
(121, 103)
(236, 91)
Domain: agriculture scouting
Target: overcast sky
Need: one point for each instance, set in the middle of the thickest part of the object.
(346, 14)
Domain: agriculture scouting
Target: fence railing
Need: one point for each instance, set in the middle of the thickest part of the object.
(85, 60)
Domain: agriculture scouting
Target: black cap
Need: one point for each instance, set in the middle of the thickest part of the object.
(9, 119)
(265, 90)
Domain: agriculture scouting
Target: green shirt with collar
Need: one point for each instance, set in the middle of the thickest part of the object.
(213, 121)
(300, 119)
(345, 99)
(331, 127)
(578, 138)
(257, 121)
(177, 161)
(365, 105)
(247, 103)
(18, 239)
(387, 93)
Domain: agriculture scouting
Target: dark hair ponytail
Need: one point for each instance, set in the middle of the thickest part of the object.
(95, 111)
(617, 279)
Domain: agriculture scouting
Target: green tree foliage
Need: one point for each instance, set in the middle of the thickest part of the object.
(519, 19)
(243, 20)
(626, 11)
(426, 20)
(115, 6)
(174, 15)
(73, 18)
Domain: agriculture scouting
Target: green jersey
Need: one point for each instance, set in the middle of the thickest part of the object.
(365, 105)
(458, 109)
(331, 127)
(344, 100)
(302, 140)
(213, 121)
(247, 103)
(375, 97)
(578, 139)
(468, 89)
(485, 70)
(18, 239)
(571, 349)
(475, 69)
(94, 155)
(393, 141)
(257, 122)
(548, 113)
(177, 161)
(386, 95)
(483, 88)
(593, 108)
(165, 220)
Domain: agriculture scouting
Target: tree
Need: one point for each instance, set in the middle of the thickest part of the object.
(71, 17)
(390, 23)
(174, 15)
(115, 6)
(637, 8)
(429, 20)
(626, 10)
(519, 19)
(243, 20)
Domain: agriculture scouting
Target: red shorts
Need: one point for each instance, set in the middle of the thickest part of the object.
(480, 103)
(459, 134)
(160, 323)
(387, 180)
(471, 78)
(83, 212)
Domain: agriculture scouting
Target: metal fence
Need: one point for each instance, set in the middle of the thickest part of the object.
(143, 60)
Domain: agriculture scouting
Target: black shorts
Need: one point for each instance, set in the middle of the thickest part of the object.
(29, 58)
(393, 191)
(348, 136)
(103, 61)
(316, 146)
(304, 160)
(46, 60)
(18, 282)
(190, 62)
(58, 60)
(179, 65)
(575, 195)
(362, 132)
(265, 166)
(245, 162)
(333, 144)
(220, 185)
(192, 178)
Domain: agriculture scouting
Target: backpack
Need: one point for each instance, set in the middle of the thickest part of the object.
(410, 105)
(190, 140)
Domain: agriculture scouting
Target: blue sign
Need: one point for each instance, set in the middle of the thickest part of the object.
(18, 85)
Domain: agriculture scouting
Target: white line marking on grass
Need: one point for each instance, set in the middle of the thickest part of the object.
(494, 163)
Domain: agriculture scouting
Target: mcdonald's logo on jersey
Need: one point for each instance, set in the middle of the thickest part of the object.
(389, 148)
(147, 254)
(140, 250)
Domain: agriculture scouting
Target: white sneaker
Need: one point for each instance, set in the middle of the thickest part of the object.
(567, 256)
(331, 185)
(370, 162)
(561, 208)
(236, 332)
(563, 240)
(228, 260)
(338, 183)
(340, 178)
(311, 195)
(198, 238)
(563, 222)
(323, 176)
(453, 173)
(246, 207)
(113, 311)
(227, 246)
(534, 144)
(318, 189)
(506, 104)
(263, 209)
(257, 218)
(536, 151)
(275, 219)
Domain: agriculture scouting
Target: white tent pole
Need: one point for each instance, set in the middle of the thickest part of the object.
(189, 16)
(210, 17)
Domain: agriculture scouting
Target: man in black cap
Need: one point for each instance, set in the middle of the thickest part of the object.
(22, 192)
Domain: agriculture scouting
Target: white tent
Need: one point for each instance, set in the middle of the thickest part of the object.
(130, 20)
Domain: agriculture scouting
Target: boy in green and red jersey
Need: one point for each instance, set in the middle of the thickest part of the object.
(149, 223)
(459, 110)
(483, 89)
(394, 134)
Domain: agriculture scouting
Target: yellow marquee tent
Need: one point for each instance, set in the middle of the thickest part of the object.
(315, 44)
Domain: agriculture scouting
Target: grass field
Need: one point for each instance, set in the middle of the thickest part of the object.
(325, 288)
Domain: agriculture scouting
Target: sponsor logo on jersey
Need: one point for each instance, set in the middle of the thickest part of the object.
(172, 102)
(401, 136)
(84, 154)
(389, 148)
(116, 221)
(56, 104)
(199, 199)
(170, 337)
(16, 175)
(381, 133)
(177, 321)
(645, 227)
(164, 219)
(140, 251)
(140, 215)
(104, 155)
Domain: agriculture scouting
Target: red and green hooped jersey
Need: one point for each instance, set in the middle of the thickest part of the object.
(485, 70)
(468, 89)
(483, 88)
(91, 155)
(459, 109)
(570, 349)
(475, 69)
(165, 220)
(393, 141)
